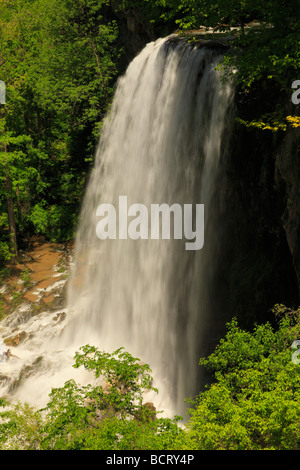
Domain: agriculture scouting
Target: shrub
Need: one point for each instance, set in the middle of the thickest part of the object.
(254, 402)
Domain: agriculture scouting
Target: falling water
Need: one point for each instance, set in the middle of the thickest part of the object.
(162, 143)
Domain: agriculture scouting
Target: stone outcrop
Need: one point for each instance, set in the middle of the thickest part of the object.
(37, 283)
(288, 171)
(147, 412)
(15, 340)
(26, 371)
(258, 263)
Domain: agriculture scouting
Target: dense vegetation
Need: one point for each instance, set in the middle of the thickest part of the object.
(253, 403)
(60, 60)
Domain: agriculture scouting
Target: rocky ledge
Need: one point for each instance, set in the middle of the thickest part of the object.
(36, 284)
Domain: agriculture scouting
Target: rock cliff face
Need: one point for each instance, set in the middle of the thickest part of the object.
(288, 171)
(134, 33)
(260, 264)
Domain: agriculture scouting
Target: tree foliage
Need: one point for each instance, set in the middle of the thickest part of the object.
(253, 403)
(58, 62)
(105, 416)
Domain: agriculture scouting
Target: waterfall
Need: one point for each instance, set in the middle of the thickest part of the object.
(161, 143)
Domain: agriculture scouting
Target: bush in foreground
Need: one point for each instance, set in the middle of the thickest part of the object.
(109, 416)
(253, 403)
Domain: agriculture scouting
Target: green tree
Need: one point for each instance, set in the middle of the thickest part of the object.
(20, 427)
(195, 13)
(110, 415)
(14, 173)
(253, 403)
(58, 61)
(270, 50)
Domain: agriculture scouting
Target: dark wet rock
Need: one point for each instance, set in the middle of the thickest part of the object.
(4, 379)
(57, 304)
(60, 317)
(25, 373)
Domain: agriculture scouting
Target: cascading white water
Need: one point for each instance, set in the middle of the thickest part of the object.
(162, 142)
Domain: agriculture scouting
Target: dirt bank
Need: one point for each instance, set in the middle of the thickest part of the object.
(38, 277)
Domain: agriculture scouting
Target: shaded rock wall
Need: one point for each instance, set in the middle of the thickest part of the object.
(288, 173)
(134, 32)
(260, 265)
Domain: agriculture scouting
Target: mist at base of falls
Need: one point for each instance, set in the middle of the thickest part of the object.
(162, 143)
